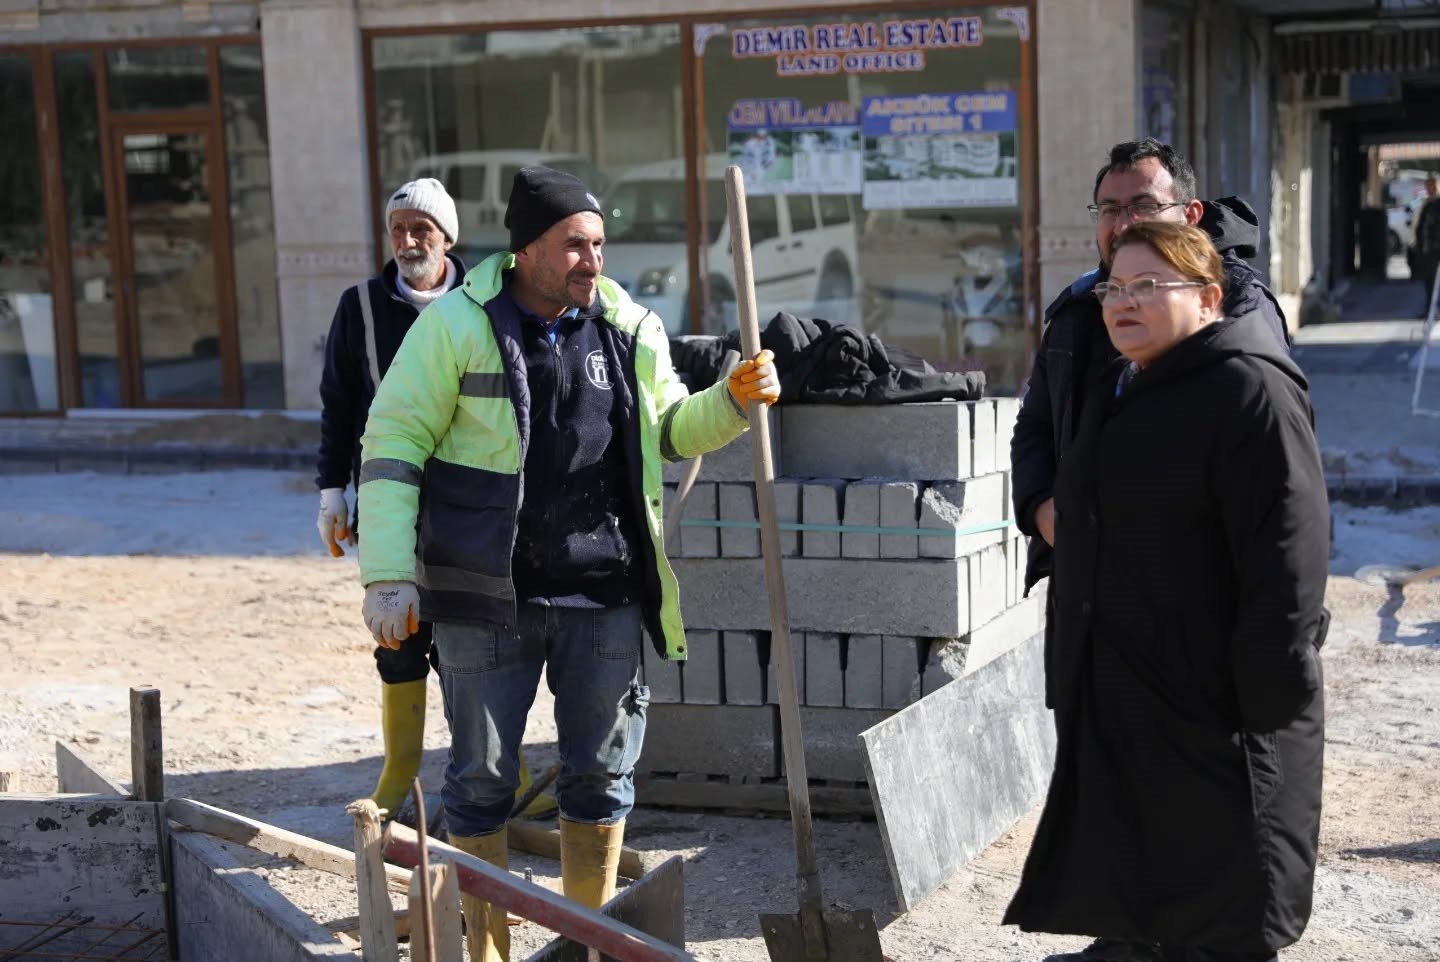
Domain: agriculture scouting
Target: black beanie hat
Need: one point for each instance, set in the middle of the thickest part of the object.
(540, 198)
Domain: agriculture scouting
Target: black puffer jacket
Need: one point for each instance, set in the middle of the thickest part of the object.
(1075, 348)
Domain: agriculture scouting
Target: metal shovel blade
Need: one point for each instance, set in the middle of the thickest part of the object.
(848, 936)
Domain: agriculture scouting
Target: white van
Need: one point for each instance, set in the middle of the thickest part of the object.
(802, 246)
(479, 181)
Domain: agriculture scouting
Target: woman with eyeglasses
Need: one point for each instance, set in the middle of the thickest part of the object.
(1191, 545)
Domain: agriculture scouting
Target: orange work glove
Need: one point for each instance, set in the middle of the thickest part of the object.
(755, 380)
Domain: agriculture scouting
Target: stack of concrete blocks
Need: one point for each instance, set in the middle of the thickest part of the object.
(877, 619)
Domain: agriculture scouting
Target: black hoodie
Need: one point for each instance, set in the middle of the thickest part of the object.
(1075, 348)
(1192, 541)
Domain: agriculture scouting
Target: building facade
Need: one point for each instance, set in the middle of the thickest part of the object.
(190, 185)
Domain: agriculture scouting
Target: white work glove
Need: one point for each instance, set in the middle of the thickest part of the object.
(391, 611)
(334, 520)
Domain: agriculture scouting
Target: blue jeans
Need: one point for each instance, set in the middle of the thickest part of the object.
(489, 675)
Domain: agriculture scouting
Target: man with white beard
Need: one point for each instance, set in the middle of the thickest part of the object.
(370, 322)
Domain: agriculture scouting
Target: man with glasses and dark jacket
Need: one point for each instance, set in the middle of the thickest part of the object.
(1143, 180)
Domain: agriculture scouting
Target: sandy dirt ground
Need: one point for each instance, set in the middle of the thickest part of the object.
(213, 589)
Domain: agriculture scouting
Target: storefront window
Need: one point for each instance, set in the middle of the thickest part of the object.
(158, 78)
(603, 103)
(882, 164)
(252, 225)
(27, 325)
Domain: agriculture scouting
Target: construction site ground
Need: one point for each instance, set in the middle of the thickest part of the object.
(212, 587)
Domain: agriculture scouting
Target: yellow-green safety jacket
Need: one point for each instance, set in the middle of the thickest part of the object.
(441, 477)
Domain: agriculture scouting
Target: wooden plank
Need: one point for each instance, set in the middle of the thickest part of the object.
(198, 817)
(654, 904)
(952, 772)
(228, 914)
(540, 839)
(76, 773)
(764, 797)
(147, 753)
(98, 856)
(444, 914)
(377, 918)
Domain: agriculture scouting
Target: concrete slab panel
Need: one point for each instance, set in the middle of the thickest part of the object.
(904, 442)
(954, 771)
(862, 510)
(924, 598)
(863, 679)
(712, 740)
(700, 672)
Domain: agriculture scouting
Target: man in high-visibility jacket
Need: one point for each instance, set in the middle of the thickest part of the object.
(523, 424)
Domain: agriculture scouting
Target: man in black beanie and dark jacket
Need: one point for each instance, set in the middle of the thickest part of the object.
(522, 425)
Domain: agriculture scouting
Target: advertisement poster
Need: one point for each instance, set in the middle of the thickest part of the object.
(940, 150)
(785, 147)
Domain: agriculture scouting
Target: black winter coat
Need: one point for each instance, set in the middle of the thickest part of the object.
(346, 385)
(1192, 541)
(1074, 348)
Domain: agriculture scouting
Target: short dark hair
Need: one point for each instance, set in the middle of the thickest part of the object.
(1127, 155)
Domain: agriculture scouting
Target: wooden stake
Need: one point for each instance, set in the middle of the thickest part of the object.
(377, 918)
(444, 915)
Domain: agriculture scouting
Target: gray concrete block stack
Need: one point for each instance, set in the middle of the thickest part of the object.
(905, 573)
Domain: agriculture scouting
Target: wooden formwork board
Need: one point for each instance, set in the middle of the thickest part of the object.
(97, 855)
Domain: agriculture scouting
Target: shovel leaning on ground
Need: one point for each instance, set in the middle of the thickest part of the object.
(815, 934)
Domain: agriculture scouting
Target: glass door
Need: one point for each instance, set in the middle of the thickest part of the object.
(174, 265)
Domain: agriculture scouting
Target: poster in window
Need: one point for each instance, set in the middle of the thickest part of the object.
(785, 147)
(940, 150)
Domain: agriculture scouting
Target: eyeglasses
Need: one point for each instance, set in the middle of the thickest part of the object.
(1133, 211)
(1140, 290)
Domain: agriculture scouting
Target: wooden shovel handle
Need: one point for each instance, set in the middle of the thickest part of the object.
(792, 740)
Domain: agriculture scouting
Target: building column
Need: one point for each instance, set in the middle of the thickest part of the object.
(1087, 60)
(314, 93)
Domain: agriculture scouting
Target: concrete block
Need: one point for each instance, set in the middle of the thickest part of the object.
(987, 583)
(1007, 409)
(944, 663)
(862, 509)
(824, 678)
(961, 506)
(701, 505)
(863, 680)
(832, 741)
(1004, 632)
(700, 672)
(905, 442)
(787, 511)
(744, 668)
(982, 433)
(898, 507)
(712, 740)
(921, 598)
(820, 504)
(661, 675)
(900, 670)
(735, 461)
(737, 503)
(772, 672)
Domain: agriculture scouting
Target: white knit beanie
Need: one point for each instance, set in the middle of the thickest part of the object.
(428, 196)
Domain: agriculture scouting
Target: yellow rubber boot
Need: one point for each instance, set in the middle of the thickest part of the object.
(402, 721)
(542, 804)
(589, 858)
(487, 928)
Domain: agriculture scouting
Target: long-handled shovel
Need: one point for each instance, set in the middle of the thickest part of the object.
(814, 934)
